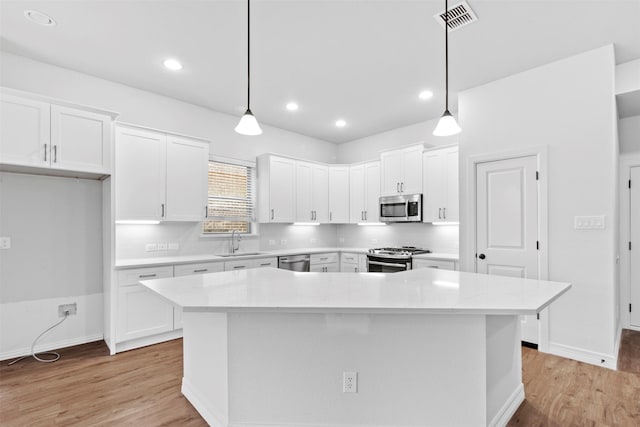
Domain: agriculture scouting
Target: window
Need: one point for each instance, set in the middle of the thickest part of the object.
(230, 202)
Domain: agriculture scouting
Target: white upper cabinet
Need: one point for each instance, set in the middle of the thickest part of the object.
(25, 131)
(187, 169)
(38, 133)
(276, 189)
(159, 177)
(339, 194)
(80, 140)
(401, 171)
(440, 185)
(364, 192)
(312, 192)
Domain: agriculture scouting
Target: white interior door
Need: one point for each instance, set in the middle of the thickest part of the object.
(507, 224)
(634, 254)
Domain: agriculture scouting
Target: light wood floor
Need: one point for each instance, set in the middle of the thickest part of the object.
(87, 387)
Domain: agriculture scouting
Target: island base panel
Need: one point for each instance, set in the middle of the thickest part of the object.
(268, 368)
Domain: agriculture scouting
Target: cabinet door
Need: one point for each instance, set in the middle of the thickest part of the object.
(452, 211)
(24, 132)
(433, 186)
(339, 200)
(304, 196)
(412, 170)
(372, 192)
(140, 174)
(186, 181)
(356, 194)
(391, 172)
(142, 313)
(320, 193)
(80, 140)
(281, 189)
(433, 263)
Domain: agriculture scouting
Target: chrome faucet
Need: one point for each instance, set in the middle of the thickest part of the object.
(235, 246)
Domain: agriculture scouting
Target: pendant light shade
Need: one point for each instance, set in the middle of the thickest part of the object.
(248, 124)
(447, 124)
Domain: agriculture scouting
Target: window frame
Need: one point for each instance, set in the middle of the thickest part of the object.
(253, 224)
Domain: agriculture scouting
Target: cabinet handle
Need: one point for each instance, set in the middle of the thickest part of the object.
(444, 213)
(271, 213)
(330, 216)
(397, 187)
(202, 270)
(239, 266)
(143, 276)
(266, 264)
(45, 152)
(439, 213)
(55, 153)
(162, 215)
(356, 270)
(365, 215)
(434, 266)
(322, 259)
(362, 215)
(402, 187)
(206, 211)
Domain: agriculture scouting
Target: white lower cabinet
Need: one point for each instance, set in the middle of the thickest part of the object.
(350, 263)
(142, 313)
(190, 270)
(324, 263)
(243, 264)
(434, 263)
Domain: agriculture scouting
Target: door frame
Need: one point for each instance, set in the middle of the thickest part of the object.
(627, 161)
(470, 217)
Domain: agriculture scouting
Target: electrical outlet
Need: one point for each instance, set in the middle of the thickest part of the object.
(150, 247)
(314, 240)
(283, 242)
(174, 246)
(162, 246)
(72, 309)
(5, 242)
(588, 222)
(341, 239)
(272, 242)
(349, 382)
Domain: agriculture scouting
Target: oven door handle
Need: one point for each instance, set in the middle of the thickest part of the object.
(387, 264)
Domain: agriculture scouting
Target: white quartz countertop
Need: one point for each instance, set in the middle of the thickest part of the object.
(414, 291)
(189, 259)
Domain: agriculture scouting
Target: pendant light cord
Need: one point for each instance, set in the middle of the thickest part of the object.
(446, 55)
(248, 54)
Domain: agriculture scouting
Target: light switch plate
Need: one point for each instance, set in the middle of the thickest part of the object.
(150, 247)
(5, 242)
(595, 222)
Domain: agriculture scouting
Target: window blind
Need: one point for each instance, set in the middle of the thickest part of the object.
(231, 198)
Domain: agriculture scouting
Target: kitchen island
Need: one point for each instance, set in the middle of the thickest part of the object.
(270, 347)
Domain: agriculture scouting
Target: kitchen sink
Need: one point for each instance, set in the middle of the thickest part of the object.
(240, 254)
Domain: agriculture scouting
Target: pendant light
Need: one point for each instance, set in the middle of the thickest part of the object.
(248, 124)
(447, 124)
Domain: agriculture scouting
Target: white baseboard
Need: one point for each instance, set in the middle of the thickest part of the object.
(509, 408)
(581, 355)
(145, 341)
(50, 346)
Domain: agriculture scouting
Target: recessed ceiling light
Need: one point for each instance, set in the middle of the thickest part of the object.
(172, 64)
(341, 123)
(39, 18)
(292, 106)
(426, 94)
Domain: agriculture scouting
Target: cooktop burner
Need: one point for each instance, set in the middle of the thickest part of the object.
(403, 251)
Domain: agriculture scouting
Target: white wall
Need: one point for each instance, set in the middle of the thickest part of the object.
(369, 148)
(629, 134)
(569, 107)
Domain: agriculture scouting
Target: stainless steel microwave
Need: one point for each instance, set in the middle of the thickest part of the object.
(401, 208)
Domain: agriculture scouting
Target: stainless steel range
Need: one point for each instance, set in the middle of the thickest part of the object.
(392, 260)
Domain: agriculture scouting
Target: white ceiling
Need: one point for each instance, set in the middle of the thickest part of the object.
(363, 61)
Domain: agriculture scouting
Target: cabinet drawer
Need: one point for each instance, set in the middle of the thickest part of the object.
(434, 263)
(265, 262)
(350, 258)
(201, 268)
(324, 258)
(132, 276)
(238, 264)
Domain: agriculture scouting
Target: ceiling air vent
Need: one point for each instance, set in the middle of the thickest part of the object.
(459, 15)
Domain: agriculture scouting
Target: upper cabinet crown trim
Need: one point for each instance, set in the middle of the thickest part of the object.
(37, 97)
(120, 124)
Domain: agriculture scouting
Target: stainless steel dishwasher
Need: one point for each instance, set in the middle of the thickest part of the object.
(295, 262)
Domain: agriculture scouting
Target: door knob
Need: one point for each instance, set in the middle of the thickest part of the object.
(481, 256)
